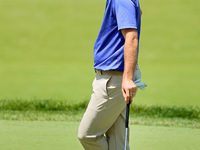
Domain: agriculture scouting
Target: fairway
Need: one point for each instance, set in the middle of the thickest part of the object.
(27, 135)
(46, 50)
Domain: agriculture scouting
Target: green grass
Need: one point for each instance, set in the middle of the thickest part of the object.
(76, 117)
(169, 54)
(185, 112)
(46, 50)
(41, 54)
(42, 135)
(55, 110)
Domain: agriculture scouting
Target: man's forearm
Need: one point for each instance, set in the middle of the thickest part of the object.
(130, 54)
(130, 58)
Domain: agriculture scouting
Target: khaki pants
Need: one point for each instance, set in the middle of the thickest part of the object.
(103, 124)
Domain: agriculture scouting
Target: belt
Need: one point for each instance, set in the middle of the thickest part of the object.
(110, 72)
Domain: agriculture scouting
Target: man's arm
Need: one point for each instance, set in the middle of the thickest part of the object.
(130, 58)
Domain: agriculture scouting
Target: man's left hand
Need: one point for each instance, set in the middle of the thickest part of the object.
(129, 89)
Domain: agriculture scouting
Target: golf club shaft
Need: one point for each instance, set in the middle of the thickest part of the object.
(126, 138)
(127, 114)
(126, 123)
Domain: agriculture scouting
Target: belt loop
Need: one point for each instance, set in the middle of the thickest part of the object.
(99, 72)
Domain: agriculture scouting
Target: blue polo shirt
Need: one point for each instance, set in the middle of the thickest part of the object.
(109, 45)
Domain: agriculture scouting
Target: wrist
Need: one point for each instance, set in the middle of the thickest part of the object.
(127, 76)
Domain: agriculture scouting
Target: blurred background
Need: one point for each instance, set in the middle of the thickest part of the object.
(46, 50)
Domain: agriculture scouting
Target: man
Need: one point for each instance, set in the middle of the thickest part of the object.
(116, 66)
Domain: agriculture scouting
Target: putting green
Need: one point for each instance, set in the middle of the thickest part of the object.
(47, 135)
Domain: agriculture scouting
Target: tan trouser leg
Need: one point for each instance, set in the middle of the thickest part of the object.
(105, 106)
(116, 139)
(105, 115)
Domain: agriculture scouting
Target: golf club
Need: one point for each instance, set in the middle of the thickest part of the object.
(126, 123)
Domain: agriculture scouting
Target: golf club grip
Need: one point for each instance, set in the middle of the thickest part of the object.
(127, 114)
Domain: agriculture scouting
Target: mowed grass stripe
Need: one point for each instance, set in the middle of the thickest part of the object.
(76, 117)
(185, 112)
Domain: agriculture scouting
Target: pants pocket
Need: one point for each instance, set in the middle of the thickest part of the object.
(100, 94)
(114, 86)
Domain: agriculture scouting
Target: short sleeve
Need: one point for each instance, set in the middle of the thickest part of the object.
(125, 11)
